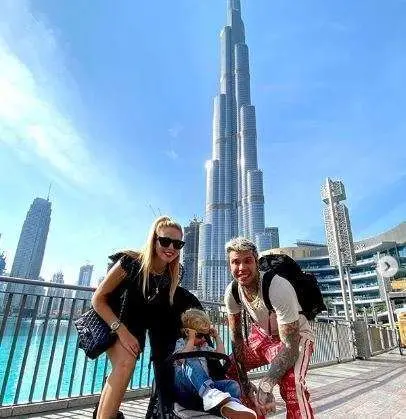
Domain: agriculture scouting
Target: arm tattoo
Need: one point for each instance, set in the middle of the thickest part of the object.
(237, 341)
(286, 358)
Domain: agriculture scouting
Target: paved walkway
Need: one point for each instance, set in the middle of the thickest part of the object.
(361, 389)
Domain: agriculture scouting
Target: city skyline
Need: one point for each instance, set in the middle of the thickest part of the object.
(327, 85)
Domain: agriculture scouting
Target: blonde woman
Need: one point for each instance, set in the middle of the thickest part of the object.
(151, 278)
(192, 376)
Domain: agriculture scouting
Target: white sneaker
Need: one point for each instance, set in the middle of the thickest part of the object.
(213, 397)
(234, 410)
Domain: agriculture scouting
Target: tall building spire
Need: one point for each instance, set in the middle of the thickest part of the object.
(49, 190)
(234, 187)
(234, 5)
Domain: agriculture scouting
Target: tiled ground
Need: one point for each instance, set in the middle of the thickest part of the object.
(361, 389)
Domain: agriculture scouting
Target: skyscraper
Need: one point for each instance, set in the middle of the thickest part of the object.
(2, 261)
(30, 254)
(3, 285)
(56, 293)
(31, 245)
(273, 233)
(190, 255)
(234, 186)
(85, 277)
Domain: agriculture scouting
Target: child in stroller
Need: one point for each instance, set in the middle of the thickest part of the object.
(164, 401)
(192, 377)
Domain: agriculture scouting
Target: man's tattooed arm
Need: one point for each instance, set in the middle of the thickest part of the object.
(286, 358)
(237, 341)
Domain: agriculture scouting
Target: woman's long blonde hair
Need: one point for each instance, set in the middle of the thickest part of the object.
(146, 257)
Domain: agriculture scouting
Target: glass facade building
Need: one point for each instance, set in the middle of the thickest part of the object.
(31, 245)
(234, 184)
(57, 293)
(85, 277)
(30, 252)
(190, 255)
(364, 277)
(2, 263)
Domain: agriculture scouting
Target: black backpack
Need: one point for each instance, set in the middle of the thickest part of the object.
(305, 284)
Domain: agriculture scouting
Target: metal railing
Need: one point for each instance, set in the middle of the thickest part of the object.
(40, 359)
(39, 356)
(381, 338)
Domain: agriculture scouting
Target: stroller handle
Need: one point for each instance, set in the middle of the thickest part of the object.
(201, 354)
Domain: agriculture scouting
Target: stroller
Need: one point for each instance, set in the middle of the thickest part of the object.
(163, 404)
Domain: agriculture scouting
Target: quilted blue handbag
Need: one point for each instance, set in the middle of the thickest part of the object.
(94, 334)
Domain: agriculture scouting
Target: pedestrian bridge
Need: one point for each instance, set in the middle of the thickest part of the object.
(44, 374)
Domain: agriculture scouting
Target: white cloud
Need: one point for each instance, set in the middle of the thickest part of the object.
(172, 154)
(175, 130)
(34, 83)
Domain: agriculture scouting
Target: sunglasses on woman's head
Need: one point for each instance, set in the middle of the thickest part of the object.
(166, 242)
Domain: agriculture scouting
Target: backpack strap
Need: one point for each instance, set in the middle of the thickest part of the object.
(234, 291)
(236, 296)
(266, 283)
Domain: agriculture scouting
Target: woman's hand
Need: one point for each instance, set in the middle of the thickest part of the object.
(128, 341)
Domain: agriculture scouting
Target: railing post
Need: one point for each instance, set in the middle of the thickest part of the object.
(369, 339)
(351, 331)
(336, 343)
(368, 331)
(389, 338)
(361, 340)
(381, 338)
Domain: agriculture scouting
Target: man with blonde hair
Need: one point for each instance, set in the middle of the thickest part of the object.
(281, 338)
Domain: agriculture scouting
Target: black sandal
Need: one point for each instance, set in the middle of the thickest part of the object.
(120, 414)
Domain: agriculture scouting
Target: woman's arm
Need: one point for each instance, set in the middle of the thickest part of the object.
(100, 303)
(100, 297)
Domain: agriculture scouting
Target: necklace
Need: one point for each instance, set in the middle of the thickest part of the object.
(251, 294)
(154, 272)
(153, 288)
(256, 303)
(254, 299)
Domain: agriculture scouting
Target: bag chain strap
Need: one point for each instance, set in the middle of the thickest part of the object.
(125, 296)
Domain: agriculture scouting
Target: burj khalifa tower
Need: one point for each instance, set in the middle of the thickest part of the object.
(234, 185)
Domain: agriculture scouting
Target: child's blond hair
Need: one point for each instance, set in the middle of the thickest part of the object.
(197, 320)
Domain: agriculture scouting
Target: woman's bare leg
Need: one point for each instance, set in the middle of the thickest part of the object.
(123, 364)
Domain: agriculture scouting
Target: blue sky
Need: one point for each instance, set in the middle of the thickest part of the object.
(112, 103)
